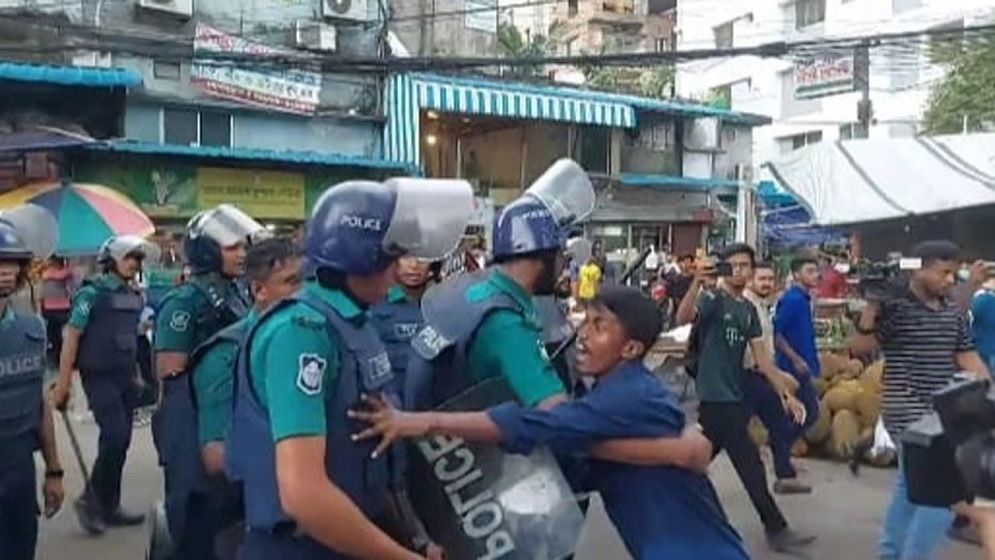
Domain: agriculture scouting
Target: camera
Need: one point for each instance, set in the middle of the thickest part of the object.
(880, 281)
(949, 455)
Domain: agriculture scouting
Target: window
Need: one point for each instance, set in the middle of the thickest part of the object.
(809, 12)
(163, 70)
(188, 127)
(802, 140)
(215, 129)
(572, 7)
(850, 131)
(179, 126)
(592, 147)
(571, 46)
(723, 36)
(662, 44)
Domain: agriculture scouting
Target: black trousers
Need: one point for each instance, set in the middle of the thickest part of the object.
(112, 400)
(18, 510)
(725, 426)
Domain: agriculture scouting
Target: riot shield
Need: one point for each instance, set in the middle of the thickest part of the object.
(480, 503)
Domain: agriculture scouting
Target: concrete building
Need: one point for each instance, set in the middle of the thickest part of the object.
(813, 100)
(446, 27)
(198, 131)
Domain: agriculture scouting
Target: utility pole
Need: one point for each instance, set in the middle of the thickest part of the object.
(862, 77)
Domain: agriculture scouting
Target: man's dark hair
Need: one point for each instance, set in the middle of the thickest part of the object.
(936, 250)
(640, 317)
(738, 249)
(263, 257)
(685, 257)
(763, 264)
(799, 263)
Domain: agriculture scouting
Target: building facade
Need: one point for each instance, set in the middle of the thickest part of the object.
(446, 27)
(816, 99)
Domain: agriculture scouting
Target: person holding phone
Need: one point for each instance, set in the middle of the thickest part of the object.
(726, 324)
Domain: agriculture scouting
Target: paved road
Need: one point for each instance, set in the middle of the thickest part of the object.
(843, 511)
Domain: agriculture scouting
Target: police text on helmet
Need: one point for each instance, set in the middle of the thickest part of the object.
(361, 222)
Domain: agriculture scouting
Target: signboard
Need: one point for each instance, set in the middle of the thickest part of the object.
(481, 15)
(292, 91)
(824, 75)
(271, 194)
(172, 190)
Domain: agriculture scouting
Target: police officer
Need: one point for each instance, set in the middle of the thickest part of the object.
(26, 420)
(214, 247)
(399, 317)
(100, 341)
(272, 271)
(310, 491)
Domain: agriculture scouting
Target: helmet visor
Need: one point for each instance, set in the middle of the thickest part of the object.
(430, 216)
(124, 246)
(579, 249)
(36, 227)
(227, 225)
(566, 190)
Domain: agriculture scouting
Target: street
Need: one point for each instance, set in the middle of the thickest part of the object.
(843, 511)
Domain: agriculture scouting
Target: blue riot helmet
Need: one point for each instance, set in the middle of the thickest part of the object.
(360, 227)
(540, 219)
(211, 231)
(26, 232)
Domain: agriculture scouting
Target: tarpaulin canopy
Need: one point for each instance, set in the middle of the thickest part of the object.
(870, 180)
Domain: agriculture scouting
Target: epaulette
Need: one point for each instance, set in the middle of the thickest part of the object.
(308, 321)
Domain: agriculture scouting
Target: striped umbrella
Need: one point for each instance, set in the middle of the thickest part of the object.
(87, 214)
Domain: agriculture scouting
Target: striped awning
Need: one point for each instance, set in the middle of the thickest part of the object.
(409, 94)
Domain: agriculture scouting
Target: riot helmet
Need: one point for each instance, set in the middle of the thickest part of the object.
(361, 227)
(211, 231)
(540, 220)
(116, 249)
(26, 232)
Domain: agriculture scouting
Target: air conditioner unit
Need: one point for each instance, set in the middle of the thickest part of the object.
(314, 35)
(355, 10)
(174, 7)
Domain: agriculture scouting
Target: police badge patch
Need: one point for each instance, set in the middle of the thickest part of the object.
(310, 373)
(179, 321)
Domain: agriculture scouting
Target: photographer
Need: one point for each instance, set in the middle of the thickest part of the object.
(925, 339)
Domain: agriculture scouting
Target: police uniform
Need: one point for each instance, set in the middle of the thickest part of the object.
(190, 315)
(106, 311)
(212, 371)
(397, 319)
(309, 359)
(22, 370)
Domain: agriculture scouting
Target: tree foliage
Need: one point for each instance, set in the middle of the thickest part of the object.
(516, 45)
(968, 88)
(648, 82)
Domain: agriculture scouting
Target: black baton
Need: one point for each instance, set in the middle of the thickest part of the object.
(76, 451)
(629, 271)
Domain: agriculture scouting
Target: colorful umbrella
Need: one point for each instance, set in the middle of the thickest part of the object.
(87, 214)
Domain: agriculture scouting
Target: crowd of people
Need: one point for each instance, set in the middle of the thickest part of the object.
(287, 373)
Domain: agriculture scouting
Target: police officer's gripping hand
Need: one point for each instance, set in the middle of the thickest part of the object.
(434, 552)
(58, 393)
(794, 408)
(54, 493)
(388, 422)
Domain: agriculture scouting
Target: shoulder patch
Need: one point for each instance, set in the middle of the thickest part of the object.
(83, 306)
(179, 321)
(429, 343)
(310, 373)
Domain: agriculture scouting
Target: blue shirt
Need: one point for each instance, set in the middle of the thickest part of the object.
(983, 326)
(793, 321)
(660, 512)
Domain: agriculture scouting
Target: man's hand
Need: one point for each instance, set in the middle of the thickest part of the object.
(434, 552)
(794, 408)
(389, 423)
(59, 394)
(801, 368)
(700, 453)
(978, 274)
(54, 493)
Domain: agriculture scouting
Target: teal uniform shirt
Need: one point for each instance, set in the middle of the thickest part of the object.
(86, 297)
(213, 378)
(176, 326)
(288, 341)
(396, 294)
(510, 344)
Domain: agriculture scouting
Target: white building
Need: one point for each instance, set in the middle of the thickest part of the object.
(900, 76)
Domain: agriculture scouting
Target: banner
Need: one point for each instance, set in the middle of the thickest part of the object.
(263, 194)
(824, 75)
(293, 91)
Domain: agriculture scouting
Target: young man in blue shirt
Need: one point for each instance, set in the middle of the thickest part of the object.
(796, 353)
(660, 512)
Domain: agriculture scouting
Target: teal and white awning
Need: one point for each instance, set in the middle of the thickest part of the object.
(409, 94)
